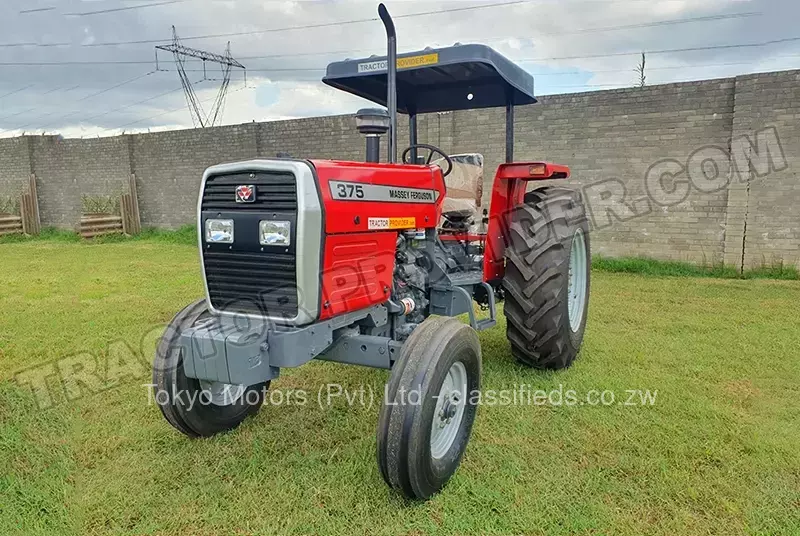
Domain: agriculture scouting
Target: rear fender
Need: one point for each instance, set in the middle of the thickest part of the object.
(508, 192)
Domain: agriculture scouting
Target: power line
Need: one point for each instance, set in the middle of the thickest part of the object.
(590, 56)
(168, 112)
(76, 101)
(592, 72)
(36, 10)
(136, 103)
(67, 63)
(17, 114)
(116, 86)
(16, 91)
(665, 68)
(555, 33)
(666, 51)
(709, 18)
(127, 8)
(672, 22)
(311, 26)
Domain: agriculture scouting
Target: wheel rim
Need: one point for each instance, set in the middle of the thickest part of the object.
(578, 271)
(449, 413)
(222, 394)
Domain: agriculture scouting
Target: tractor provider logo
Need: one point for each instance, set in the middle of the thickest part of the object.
(245, 193)
(402, 63)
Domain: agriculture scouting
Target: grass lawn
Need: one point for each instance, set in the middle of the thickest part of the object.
(718, 451)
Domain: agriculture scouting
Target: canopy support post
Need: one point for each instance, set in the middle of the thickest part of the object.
(509, 131)
(412, 135)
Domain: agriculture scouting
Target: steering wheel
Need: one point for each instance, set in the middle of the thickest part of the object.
(406, 156)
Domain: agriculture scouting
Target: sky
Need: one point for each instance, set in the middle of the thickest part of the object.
(87, 68)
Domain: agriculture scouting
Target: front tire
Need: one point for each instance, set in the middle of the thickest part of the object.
(547, 279)
(427, 414)
(194, 407)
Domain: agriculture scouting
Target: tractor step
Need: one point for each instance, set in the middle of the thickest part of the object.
(490, 322)
(486, 323)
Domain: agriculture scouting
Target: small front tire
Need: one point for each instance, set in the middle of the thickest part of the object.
(430, 406)
(194, 407)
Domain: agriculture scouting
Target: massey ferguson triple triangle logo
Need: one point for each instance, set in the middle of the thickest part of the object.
(245, 194)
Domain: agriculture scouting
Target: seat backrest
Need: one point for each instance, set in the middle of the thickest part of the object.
(464, 184)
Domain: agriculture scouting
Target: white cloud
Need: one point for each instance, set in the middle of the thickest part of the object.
(288, 64)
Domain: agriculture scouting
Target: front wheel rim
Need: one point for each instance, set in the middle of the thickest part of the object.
(576, 289)
(449, 412)
(221, 394)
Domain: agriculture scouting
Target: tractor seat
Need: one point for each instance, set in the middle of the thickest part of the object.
(458, 220)
(464, 189)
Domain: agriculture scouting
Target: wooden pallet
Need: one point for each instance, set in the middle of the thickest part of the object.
(10, 224)
(130, 215)
(28, 220)
(128, 222)
(100, 224)
(29, 208)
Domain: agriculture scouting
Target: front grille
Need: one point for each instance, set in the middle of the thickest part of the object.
(253, 283)
(275, 190)
(246, 277)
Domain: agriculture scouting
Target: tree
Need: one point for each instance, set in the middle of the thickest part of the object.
(640, 71)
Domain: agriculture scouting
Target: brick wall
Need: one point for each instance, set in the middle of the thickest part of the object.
(67, 169)
(169, 167)
(770, 195)
(15, 167)
(619, 144)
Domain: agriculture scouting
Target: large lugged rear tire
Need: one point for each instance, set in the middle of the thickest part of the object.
(195, 408)
(430, 405)
(546, 284)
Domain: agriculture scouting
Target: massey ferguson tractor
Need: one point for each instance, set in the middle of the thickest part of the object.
(369, 263)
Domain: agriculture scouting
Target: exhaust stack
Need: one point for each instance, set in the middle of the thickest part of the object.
(391, 74)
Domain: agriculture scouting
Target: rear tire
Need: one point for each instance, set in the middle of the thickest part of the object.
(195, 408)
(547, 279)
(427, 414)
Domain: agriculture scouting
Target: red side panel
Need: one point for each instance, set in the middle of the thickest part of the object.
(508, 191)
(353, 215)
(358, 269)
(361, 231)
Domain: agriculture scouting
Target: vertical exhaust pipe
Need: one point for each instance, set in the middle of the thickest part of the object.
(391, 74)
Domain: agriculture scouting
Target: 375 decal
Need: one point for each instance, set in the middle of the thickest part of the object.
(346, 190)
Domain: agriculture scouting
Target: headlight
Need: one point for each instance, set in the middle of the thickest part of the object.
(275, 233)
(219, 231)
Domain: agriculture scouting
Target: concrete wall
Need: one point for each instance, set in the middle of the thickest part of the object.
(740, 210)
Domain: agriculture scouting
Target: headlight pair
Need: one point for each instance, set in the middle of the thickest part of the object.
(270, 232)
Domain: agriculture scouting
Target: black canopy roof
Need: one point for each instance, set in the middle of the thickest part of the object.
(438, 80)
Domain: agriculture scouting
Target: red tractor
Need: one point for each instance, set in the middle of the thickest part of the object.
(359, 263)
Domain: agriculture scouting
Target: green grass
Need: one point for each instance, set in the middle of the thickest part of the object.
(718, 452)
(187, 235)
(658, 268)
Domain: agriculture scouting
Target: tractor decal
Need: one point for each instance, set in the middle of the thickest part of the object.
(354, 191)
